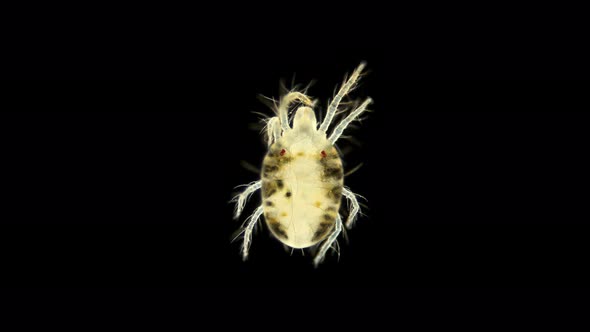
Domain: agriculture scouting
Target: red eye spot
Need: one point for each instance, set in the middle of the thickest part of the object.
(283, 152)
(323, 154)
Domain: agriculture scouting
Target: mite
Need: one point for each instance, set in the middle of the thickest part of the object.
(302, 179)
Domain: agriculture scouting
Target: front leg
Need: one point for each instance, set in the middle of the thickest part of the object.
(344, 123)
(273, 130)
(284, 105)
(346, 87)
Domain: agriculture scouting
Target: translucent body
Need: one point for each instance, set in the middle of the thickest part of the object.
(302, 181)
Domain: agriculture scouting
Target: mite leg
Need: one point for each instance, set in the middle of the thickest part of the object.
(284, 105)
(342, 125)
(354, 207)
(319, 257)
(341, 93)
(241, 199)
(251, 222)
(273, 130)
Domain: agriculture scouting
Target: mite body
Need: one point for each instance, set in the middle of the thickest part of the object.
(302, 182)
(302, 178)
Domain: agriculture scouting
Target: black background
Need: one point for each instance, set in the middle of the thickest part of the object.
(473, 160)
(127, 183)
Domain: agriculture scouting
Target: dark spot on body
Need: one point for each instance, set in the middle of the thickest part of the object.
(269, 203)
(323, 229)
(288, 194)
(280, 184)
(331, 208)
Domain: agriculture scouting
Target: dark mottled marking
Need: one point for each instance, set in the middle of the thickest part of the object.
(325, 162)
(269, 203)
(328, 217)
(269, 192)
(273, 162)
(269, 188)
(274, 156)
(269, 169)
(331, 208)
(331, 166)
(337, 190)
(277, 229)
(335, 194)
(288, 194)
(280, 184)
(285, 160)
(333, 172)
(323, 229)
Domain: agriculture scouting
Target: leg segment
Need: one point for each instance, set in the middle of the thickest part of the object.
(251, 222)
(284, 105)
(273, 130)
(341, 93)
(342, 125)
(354, 207)
(243, 197)
(319, 257)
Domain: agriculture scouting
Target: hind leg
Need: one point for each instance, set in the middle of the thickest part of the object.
(354, 207)
(243, 197)
(319, 257)
(251, 222)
